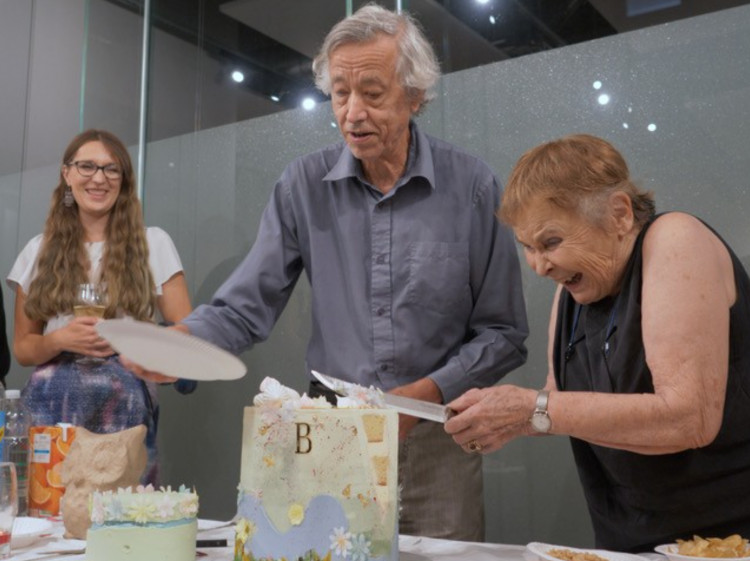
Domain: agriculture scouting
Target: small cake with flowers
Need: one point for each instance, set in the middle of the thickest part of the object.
(317, 483)
(143, 524)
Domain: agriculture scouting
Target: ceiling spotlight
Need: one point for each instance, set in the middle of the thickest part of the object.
(597, 85)
(275, 98)
(308, 104)
(238, 76)
(333, 125)
(483, 2)
(492, 19)
(651, 127)
(603, 99)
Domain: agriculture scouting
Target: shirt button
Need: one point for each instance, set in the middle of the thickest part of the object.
(383, 367)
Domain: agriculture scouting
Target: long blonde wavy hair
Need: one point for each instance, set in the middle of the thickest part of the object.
(63, 261)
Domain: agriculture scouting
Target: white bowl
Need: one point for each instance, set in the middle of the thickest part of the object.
(670, 550)
(27, 530)
(536, 551)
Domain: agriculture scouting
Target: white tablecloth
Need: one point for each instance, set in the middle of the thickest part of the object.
(411, 548)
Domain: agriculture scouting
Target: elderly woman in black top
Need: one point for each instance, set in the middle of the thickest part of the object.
(649, 366)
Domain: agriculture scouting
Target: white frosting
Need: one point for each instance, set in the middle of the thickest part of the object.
(275, 395)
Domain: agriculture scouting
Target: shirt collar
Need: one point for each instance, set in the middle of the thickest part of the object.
(418, 164)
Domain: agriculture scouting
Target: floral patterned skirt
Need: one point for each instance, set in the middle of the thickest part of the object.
(102, 398)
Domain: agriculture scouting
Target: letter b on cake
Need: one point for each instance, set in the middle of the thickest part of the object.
(304, 443)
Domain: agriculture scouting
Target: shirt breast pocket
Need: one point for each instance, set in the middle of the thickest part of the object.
(439, 277)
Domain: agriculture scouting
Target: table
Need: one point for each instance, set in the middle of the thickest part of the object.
(411, 548)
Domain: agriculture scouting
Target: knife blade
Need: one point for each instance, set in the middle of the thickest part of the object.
(406, 405)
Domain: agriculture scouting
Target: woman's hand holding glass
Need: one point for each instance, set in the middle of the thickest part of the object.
(89, 309)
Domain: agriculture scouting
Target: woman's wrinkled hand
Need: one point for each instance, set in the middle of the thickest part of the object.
(80, 336)
(487, 419)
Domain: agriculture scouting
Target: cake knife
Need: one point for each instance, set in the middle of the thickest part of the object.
(406, 405)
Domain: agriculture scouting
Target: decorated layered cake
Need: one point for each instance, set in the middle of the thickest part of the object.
(317, 482)
(142, 525)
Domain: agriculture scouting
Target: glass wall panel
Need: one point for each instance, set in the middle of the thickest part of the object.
(675, 100)
(15, 37)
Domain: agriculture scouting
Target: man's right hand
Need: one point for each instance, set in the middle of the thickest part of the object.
(148, 375)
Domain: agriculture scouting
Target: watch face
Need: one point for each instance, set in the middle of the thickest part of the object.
(540, 422)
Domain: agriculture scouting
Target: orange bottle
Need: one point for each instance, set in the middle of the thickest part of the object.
(49, 446)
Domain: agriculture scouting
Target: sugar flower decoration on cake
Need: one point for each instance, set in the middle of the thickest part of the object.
(245, 530)
(165, 505)
(97, 509)
(360, 547)
(296, 514)
(143, 505)
(341, 542)
(142, 509)
(274, 394)
(113, 509)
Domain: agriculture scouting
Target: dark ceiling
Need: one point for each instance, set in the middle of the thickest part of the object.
(274, 41)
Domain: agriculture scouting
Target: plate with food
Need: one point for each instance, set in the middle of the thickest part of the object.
(536, 551)
(733, 547)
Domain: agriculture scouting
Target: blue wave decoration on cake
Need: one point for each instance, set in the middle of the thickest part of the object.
(322, 518)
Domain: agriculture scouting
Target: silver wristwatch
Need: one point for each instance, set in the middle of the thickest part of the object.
(540, 420)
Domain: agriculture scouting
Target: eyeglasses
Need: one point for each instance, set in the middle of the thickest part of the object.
(89, 169)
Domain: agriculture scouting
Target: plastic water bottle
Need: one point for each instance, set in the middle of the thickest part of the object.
(16, 445)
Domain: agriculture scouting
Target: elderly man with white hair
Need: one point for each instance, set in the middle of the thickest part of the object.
(416, 287)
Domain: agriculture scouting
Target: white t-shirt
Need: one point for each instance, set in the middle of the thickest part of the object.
(162, 258)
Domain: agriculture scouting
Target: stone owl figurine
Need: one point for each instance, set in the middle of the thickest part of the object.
(100, 462)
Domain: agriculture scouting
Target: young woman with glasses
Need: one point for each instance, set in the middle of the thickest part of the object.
(95, 234)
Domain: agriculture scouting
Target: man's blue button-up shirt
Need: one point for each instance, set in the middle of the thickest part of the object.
(423, 281)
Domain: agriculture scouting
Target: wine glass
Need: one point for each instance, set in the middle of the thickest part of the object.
(8, 505)
(91, 301)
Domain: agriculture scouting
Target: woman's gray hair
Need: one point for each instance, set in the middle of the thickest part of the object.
(417, 65)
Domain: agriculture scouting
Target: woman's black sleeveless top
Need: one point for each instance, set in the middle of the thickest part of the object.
(639, 501)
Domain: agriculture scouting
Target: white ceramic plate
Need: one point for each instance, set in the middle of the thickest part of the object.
(536, 551)
(28, 530)
(170, 352)
(670, 550)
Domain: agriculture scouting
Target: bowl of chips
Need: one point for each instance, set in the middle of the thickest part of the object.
(537, 551)
(733, 547)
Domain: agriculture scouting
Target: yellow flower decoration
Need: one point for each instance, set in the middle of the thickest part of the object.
(296, 514)
(244, 529)
(141, 510)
